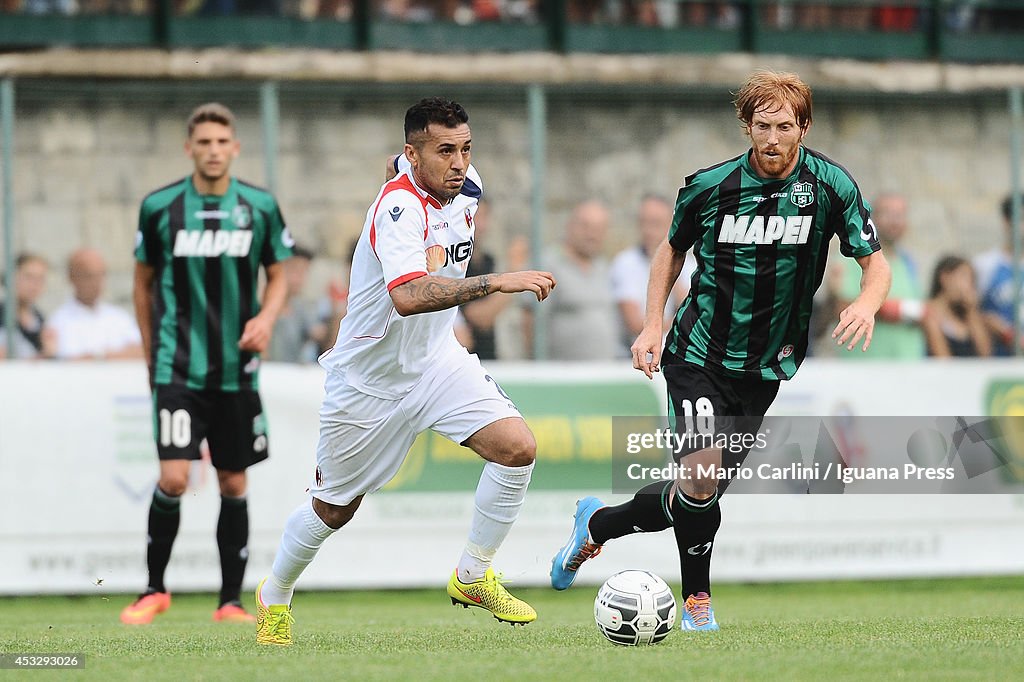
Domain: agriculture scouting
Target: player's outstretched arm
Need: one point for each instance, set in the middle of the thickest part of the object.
(857, 320)
(666, 265)
(430, 293)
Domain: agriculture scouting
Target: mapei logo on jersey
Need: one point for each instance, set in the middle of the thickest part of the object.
(760, 229)
(802, 194)
(210, 243)
(439, 256)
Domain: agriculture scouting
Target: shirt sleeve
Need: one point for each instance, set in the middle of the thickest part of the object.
(147, 242)
(685, 221)
(852, 222)
(279, 239)
(397, 236)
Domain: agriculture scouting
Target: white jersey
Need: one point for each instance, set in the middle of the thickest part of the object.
(407, 234)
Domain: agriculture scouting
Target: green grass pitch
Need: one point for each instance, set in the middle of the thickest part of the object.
(920, 629)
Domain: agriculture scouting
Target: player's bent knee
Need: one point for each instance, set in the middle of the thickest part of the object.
(522, 452)
(334, 515)
(175, 487)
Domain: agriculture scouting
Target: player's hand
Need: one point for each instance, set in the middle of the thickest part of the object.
(856, 322)
(646, 351)
(256, 335)
(540, 283)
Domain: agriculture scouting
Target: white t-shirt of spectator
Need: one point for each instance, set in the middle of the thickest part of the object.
(407, 234)
(94, 331)
(630, 272)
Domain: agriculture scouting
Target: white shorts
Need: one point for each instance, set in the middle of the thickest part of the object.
(364, 439)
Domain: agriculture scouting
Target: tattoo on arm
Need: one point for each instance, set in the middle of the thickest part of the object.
(439, 293)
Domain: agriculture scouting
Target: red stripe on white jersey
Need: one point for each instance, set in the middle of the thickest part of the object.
(405, 278)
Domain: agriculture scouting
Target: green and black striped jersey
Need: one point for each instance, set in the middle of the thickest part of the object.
(761, 246)
(207, 251)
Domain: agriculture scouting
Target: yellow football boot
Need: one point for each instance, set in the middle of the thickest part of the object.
(490, 594)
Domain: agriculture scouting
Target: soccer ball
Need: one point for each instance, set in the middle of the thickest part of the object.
(635, 607)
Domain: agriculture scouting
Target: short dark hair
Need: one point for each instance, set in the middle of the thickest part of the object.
(945, 265)
(27, 257)
(433, 110)
(1008, 206)
(211, 112)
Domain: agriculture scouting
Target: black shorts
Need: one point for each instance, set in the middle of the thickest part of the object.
(232, 422)
(716, 410)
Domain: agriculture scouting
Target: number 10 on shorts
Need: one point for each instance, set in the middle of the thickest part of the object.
(175, 428)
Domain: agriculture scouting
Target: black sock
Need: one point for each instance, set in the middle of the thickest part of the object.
(647, 512)
(696, 523)
(164, 518)
(232, 540)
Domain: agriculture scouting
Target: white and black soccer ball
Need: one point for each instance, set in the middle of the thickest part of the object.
(635, 607)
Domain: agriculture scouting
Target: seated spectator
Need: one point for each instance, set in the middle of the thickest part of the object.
(299, 332)
(901, 18)
(897, 333)
(953, 323)
(86, 327)
(32, 338)
(995, 286)
(581, 316)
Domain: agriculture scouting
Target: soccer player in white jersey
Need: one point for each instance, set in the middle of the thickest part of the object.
(397, 370)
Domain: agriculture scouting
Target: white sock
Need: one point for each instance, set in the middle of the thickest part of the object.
(304, 532)
(499, 496)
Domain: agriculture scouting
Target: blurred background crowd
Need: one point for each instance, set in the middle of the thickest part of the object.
(721, 14)
(961, 306)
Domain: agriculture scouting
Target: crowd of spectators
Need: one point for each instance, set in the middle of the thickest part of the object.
(850, 15)
(967, 308)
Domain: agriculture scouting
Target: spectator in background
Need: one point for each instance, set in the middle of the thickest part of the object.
(897, 333)
(299, 332)
(995, 284)
(954, 325)
(901, 18)
(631, 268)
(32, 338)
(582, 323)
(481, 315)
(86, 327)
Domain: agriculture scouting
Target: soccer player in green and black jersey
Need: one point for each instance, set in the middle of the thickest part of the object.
(759, 225)
(199, 247)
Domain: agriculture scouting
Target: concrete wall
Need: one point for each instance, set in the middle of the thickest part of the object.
(87, 152)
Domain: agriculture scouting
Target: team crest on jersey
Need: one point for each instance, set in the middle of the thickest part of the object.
(241, 216)
(802, 194)
(469, 219)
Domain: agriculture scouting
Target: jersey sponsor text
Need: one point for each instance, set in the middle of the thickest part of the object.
(759, 229)
(212, 243)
